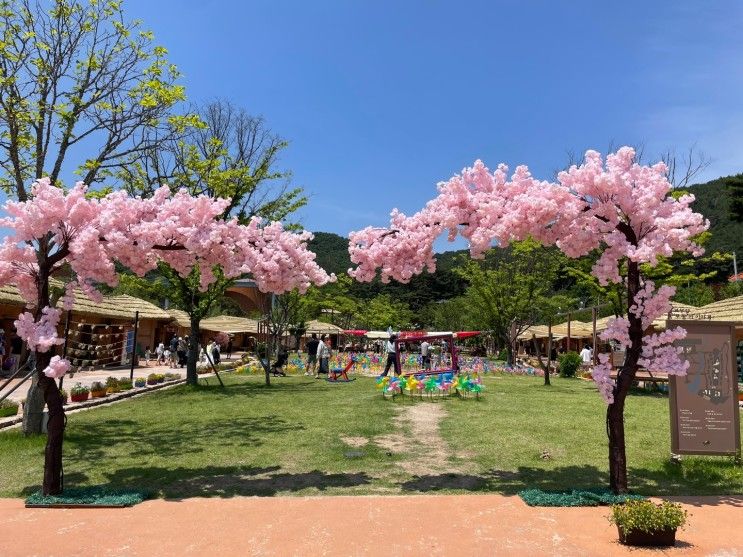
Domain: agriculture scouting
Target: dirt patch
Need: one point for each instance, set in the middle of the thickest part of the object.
(356, 442)
(419, 438)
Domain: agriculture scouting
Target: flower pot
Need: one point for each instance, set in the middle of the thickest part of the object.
(80, 397)
(97, 394)
(152, 381)
(656, 538)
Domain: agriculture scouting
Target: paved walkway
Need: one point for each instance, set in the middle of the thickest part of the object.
(411, 525)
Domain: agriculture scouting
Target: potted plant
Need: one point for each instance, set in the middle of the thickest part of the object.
(63, 394)
(645, 523)
(140, 382)
(160, 378)
(124, 384)
(152, 379)
(112, 385)
(78, 393)
(97, 390)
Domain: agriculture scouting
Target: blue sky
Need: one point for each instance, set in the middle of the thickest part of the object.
(381, 100)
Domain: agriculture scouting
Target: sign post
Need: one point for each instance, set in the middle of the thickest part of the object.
(704, 402)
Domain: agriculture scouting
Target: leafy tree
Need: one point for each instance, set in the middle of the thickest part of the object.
(508, 289)
(382, 311)
(77, 76)
(232, 155)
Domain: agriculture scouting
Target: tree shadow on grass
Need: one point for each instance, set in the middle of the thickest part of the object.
(690, 478)
(230, 481)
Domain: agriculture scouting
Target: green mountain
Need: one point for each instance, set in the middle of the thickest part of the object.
(714, 200)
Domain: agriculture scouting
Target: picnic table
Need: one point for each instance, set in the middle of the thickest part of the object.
(646, 376)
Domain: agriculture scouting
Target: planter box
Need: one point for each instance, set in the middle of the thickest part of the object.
(658, 538)
(79, 398)
(97, 394)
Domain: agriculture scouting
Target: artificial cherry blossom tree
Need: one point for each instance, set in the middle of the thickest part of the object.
(621, 208)
(54, 228)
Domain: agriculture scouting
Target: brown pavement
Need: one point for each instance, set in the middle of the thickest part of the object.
(427, 525)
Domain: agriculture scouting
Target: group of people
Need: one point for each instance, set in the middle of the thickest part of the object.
(175, 353)
(318, 356)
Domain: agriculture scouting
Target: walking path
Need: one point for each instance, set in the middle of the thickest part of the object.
(412, 525)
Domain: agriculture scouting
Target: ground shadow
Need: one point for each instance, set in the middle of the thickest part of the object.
(702, 483)
(215, 481)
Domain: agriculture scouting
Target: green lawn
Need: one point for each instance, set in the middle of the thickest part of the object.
(304, 437)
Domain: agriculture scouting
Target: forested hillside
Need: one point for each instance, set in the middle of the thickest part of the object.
(714, 201)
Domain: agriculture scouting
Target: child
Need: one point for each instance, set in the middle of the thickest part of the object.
(147, 356)
(166, 355)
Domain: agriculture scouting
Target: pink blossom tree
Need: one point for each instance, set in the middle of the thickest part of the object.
(620, 208)
(55, 228)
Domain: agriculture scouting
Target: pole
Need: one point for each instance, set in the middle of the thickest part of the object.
(594, 313)
(735, 268)
(66, 338)
(568, 350)
(549, 345)
(134, 345)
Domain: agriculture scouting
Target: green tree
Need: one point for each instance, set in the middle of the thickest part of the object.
(231, 155)
(75, 76)
(508, 288)
(382, 312)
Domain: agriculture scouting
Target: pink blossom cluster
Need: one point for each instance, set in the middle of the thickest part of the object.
(659, 353)
(90, 235)
(651, 304)
(591, 206)
(601, 374)
(40, 335)
(57, 367)
(618, 206)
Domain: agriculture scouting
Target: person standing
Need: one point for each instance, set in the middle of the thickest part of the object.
(391, 357)
(16, 348)
(323, 356)
(160, 353)
(229, 348)
(312, 354)
(586, 355)
(182, 350)
(173, 351)
(426, 355)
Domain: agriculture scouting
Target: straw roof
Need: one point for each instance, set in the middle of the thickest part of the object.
(115, 307)
(180, 317)
(725, 310)
(229, 324)
(146, 309)
(319, 327)
(541, 331)
(578, 329)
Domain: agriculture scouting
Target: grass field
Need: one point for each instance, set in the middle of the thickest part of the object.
(302, 436)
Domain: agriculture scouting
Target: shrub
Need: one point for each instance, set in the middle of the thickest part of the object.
(646, 516)
(124, 384)
(8, 408)
(502, 355)
(568, 364)
(63, 394)
(79, 389)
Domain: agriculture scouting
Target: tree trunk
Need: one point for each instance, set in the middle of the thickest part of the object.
(55, 426)
(33, 409)
(269, 351)
(192, 378)
(625, 377)
(53, 482)
(549, 361)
